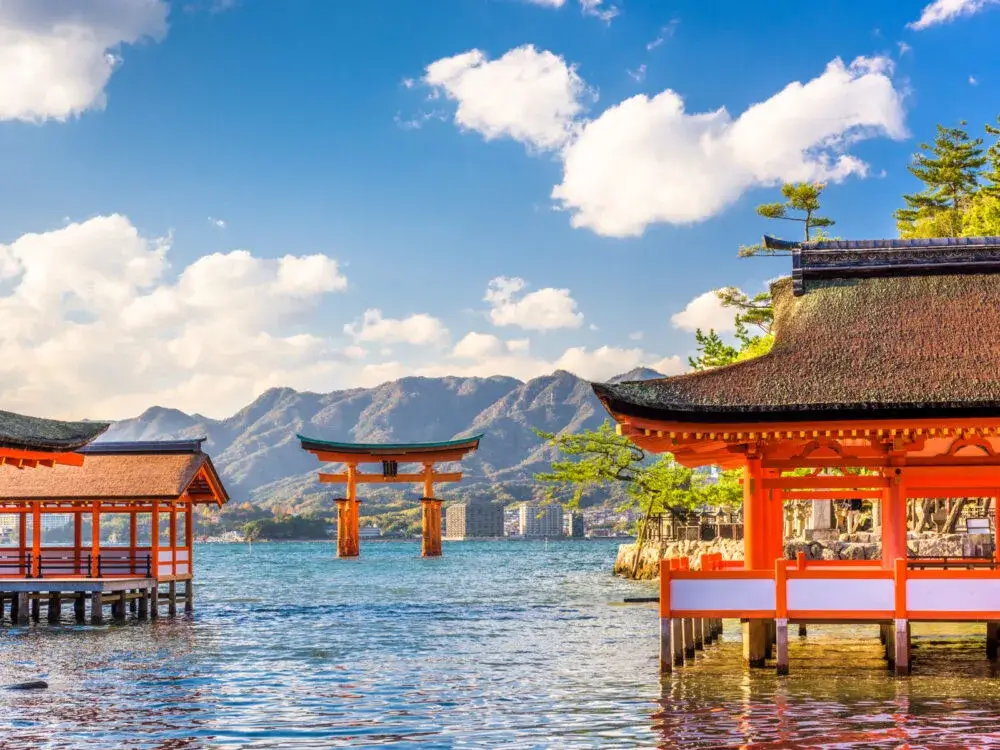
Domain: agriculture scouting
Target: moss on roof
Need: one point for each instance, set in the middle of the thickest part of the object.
(890, 346)
(33, 433)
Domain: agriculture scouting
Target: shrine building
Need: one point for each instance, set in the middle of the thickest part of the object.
(883, 384)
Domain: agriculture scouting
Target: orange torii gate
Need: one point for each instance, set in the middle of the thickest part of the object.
(390, 455)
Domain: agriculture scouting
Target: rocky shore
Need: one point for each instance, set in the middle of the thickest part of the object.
(860, 546)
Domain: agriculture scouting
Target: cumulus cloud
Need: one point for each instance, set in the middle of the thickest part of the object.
(476, 346)
(56, 57)
(96, 327)
(418, 328)
(942, 11)
(533, 97)
(595, 8)
(218, 223)
(541, 310)
(707, 313)
(647, 160)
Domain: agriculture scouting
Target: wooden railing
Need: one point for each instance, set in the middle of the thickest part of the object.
(835, 590)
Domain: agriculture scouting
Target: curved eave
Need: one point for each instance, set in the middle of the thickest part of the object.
(311, 444)
(742, 414)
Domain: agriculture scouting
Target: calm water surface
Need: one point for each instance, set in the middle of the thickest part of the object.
(512, 645)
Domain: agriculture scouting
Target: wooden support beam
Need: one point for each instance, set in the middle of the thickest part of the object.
(189, 595)
(80, 607)
(666, 660)
(172, 598)
(677, 641)
(781, 644)
(342, 478)
(96, 608)
(826, 483)
(832, 494)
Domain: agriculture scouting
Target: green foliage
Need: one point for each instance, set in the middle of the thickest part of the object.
(286, 527)
(992, 176)
(982, 219)
(712, 351)
(802, 204)
(949, 168)
(596, 458)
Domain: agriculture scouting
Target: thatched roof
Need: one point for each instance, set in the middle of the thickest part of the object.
(122, 471)
(886, 344)
(35, 434)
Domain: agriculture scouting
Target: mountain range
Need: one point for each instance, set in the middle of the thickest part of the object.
(260, 460)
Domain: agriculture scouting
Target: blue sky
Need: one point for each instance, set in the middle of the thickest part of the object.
(327, 194)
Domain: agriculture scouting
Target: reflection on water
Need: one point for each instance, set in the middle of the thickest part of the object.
(494, 645)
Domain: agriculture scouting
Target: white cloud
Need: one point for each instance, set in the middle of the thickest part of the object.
(94, 327)
(477, 345)
(413, 329)
(541, 310)
(639, 74)
(533, 97)
(518, 346)
(665, 33)
(219, 223)
(595, 8)
(904, 48)
(56, 57)
(942, 11)
(973, 81)
(647, 161)
(707, 313)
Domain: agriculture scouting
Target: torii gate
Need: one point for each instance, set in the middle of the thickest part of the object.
(390, 455)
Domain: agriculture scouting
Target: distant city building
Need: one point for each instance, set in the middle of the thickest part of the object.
(476, 519)
(540, 521)
(369, 532)
(574, 525)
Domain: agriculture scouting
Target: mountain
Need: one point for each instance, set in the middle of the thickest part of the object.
(260, 460)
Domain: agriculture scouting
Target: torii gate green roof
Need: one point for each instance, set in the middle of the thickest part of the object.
(312, 444)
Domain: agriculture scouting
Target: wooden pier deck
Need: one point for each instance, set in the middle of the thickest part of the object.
(21, 599)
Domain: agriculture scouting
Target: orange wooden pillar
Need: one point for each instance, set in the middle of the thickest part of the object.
(430, 545)
(755, 518)
(775, 530)
(36, 539)
(22, 539)
(894, 520)
(348, 523)
(173, 540)
(132, 537)
(77, 541)
(154, 544)
(95, 540)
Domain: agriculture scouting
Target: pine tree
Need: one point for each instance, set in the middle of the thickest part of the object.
(992, 188)
(801, 205)
(949, 168)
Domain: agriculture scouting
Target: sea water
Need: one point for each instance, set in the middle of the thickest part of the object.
(496, 644)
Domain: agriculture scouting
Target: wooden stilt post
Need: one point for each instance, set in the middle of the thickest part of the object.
(80, 607)
(699, 634)
(21, 603)
(688, 638)
(36, 607)
(901, 638)
(781, 644)
(122, 605)
(189, 595)
(677, 640)
(142, 611)
(755, 643)
(802, 630)
(154, 601)
(55, 607)
(133, 602)
(992, 639)
(172, 598)
(96, 608)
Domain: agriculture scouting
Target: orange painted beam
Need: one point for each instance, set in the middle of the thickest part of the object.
(442, 456)
(826, 483)
(832, 494)
(44, 458)
(399, 478)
